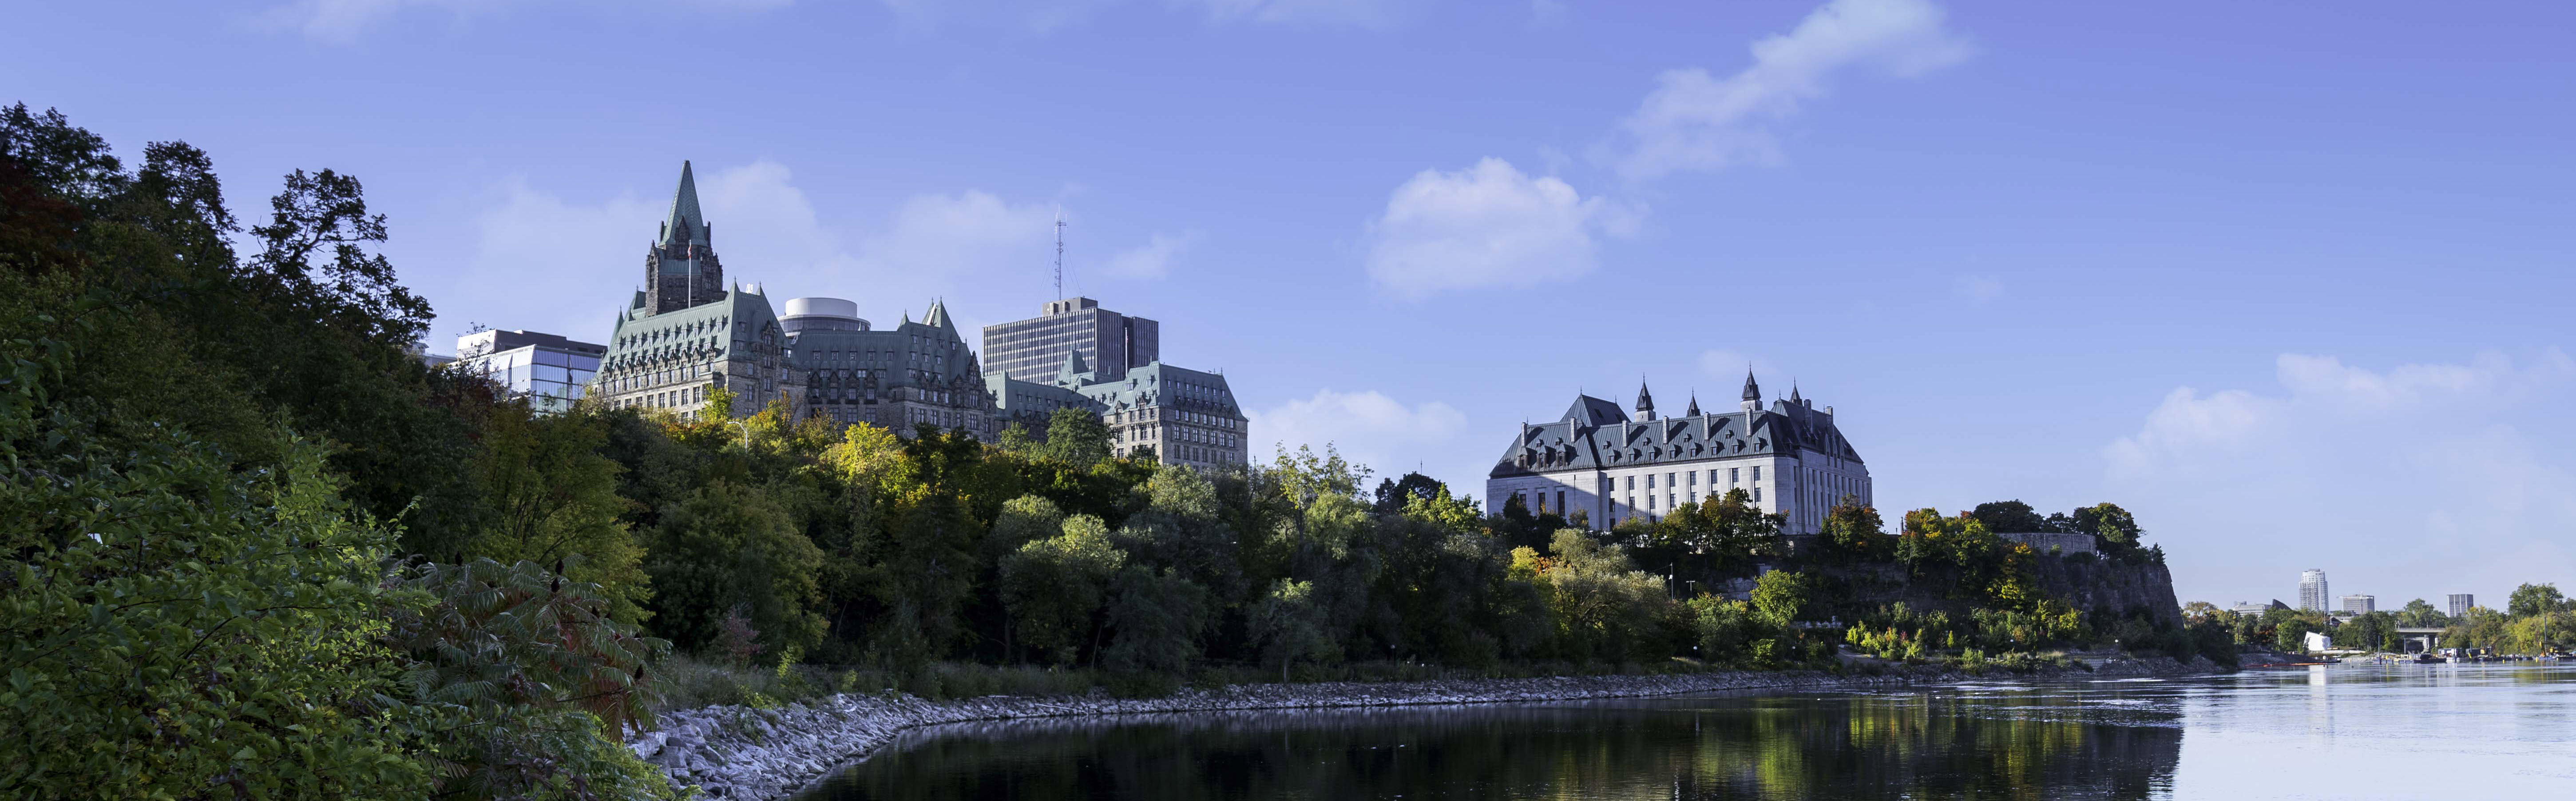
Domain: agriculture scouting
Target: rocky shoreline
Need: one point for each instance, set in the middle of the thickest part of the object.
(737, 752)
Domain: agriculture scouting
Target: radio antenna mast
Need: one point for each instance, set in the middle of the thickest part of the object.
(1059, 253)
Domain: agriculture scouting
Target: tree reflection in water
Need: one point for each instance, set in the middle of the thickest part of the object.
(1937, 744)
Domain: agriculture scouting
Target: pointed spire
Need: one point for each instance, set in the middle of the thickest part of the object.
(1752, 391)
(686, 222)
(937, 317)
(1645, 399)
(1793, 393)
(1694, 405)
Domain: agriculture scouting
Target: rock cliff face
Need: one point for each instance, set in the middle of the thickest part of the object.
(2106, 588)
(2100, 587)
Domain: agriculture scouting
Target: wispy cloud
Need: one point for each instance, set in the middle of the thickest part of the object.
(1042, 16)
(2444, 465)
(1694, 120)
(343, 21)
(1368, 427)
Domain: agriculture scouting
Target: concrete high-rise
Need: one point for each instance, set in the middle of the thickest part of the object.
(2360, 604)
(2460, 603)
(2312, 591)
(1034, 349)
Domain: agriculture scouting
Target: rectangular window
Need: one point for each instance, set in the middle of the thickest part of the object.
(1668, 481)
(1668, 500)
(1650, 481)
(1757, 492)
(1560, 502)
(1632, 483)
(1757, 472)
(1650, 501)
(1694, 478)
(1733, 476)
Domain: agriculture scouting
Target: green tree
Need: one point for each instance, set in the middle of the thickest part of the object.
(2419, 614)
(175, 627)
(1053, 587)
(1076, 437)
(1605, 608)
(1156, 619)
(1779, 596)
(2534, 599)
(1287, 626)
(729, 545)
(2012, 516)
(1854, 533)
(555, 502)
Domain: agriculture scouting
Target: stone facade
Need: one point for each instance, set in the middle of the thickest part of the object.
(899, 378)
(1596, 460)
(1187, 416)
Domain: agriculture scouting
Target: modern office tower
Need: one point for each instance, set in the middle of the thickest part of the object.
(688, 333)
(898, 378)
(547, 371)
(2360, 604)
(2460, 603)
(1789, 459)
(1033, 350)
(2312, 590)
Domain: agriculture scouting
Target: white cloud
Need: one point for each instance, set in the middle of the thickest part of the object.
(1150, 260)
(967, 233)
(1487, 225)
(1697, 121)
(2410, 481)
(1368, 428)
(341, 21)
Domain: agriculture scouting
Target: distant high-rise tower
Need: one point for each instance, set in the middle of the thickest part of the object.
(2312, 591)
(2460, 603)
(2360, 604)
(1109, 343)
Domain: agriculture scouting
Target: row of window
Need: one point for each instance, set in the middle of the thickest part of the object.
(1733, 476)
(684, 396)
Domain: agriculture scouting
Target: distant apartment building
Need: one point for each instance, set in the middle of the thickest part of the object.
(548, 371)
(2312, 591)
(2460, 603)
(2360, 604)
(1034, 349)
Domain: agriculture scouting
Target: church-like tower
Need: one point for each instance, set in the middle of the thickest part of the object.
(681, 269)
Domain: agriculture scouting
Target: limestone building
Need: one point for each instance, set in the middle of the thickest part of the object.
(688, 333)
(913, 373)
(1595, 459)
(1187, 416)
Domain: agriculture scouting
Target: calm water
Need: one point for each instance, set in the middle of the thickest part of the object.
(2464, 732)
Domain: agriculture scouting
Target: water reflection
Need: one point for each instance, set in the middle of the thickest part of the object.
(1973, 742)
(2382, 732)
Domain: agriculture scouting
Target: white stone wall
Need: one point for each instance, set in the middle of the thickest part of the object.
(1776, 490)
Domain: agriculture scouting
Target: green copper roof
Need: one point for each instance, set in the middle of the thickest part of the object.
(686, 220)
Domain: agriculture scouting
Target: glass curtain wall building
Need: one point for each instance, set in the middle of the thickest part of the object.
(546, 370)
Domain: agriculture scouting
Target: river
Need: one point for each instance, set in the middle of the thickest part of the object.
(2376, 732)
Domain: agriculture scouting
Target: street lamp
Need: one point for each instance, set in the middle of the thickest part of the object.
(746, 432)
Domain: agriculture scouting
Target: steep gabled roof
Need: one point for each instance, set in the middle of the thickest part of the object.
(1589, 411)
(685, 220)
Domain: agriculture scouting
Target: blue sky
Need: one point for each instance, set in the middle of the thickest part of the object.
(2292, 286)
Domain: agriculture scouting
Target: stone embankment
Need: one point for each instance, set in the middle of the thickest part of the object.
(736, 752)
